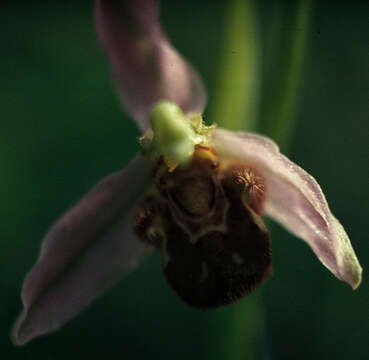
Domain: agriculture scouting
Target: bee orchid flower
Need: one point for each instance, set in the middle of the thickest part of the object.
(196, 193)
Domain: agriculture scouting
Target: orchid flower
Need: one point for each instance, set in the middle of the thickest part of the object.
(196, 193)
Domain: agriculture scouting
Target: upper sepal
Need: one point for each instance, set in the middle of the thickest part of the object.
(295, 200)
(85, 253)
(147, 68)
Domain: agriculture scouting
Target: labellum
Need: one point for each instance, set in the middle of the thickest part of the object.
(206, 220)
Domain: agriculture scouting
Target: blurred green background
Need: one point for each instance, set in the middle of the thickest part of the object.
(62, 129)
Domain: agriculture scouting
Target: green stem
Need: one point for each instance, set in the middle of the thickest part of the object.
(239, 336)
(281, 86)
(236, 99)
(245, 329)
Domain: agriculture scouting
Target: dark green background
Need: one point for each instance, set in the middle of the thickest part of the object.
(62, 129)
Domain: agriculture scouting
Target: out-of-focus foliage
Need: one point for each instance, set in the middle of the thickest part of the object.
(62, 129)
